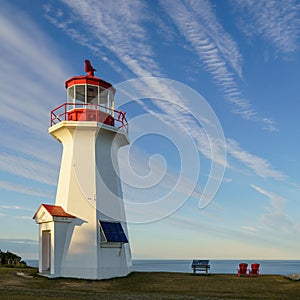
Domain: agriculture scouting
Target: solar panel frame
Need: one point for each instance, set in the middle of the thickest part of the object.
(113, 232)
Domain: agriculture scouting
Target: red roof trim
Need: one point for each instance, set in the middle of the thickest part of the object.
(89, 80)
(55, 211)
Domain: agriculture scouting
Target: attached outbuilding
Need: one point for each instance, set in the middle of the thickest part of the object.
(54, 227)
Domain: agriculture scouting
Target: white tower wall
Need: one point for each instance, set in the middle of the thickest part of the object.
(89, 156)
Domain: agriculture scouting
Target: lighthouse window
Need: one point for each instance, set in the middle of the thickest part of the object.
(80, 93)
(104, 100)
(113, 232)
(71, 94)
(92, 94)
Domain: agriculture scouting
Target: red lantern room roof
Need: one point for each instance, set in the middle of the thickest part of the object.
(89, 79)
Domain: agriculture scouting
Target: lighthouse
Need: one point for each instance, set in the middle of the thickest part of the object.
(84, 235)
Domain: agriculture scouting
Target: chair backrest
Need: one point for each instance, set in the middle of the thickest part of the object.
(255, 268)
(243, 267)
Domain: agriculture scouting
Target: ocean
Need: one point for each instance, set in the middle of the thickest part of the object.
(282, 267)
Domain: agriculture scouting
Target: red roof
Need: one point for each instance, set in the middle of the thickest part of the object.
(89, 80)
(55, 211)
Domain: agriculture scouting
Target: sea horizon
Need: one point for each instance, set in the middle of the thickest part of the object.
(217, 266)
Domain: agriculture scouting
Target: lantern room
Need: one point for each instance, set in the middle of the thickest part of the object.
(89, 98)
(90, 90)
(92, 99)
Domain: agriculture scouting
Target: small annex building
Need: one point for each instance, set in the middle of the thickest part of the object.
(54, 224)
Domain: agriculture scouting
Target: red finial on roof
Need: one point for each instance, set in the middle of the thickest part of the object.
(88, 68)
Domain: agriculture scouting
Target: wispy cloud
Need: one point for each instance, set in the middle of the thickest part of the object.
(22, 189)
(232, 237)
(31, 70)
(130, 44)
(276, 218)
(30, 146)
(98, 29)
(27, 168)
(260, 166)
(197, 22)
(26, 248)
(131, 47)
(21, 241)
(29, 218)
(249, 229)
(150, 174)
(14, 207)
(21, 43)
(182, 107)
(277, 202)
(219, 53)
(277, 22)
(185, 111)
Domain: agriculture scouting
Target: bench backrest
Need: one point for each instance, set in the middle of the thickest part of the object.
(197, 262)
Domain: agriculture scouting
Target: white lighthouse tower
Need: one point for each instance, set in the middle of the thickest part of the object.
(84, 235)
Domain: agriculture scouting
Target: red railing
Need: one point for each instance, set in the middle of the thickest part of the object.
(88, 112)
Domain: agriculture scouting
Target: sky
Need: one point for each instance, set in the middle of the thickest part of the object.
(213, 166)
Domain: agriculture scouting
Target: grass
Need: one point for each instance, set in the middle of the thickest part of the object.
(146, 285)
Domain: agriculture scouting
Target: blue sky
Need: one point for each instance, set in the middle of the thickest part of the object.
(241, 56)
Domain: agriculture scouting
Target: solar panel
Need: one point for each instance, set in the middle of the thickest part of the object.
(113, 232)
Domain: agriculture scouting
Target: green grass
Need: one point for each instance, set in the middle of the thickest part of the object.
(146, 285)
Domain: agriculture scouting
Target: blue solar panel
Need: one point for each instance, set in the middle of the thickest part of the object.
(113, 232)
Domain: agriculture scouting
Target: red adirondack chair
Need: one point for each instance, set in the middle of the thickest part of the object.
(242, 270)
(254, 270)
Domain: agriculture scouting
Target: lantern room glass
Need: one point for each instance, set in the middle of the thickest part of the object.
(85, 94)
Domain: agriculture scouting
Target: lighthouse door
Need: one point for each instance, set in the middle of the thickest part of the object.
(46, 250)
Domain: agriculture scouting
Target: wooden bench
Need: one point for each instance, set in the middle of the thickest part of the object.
(200, 265)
